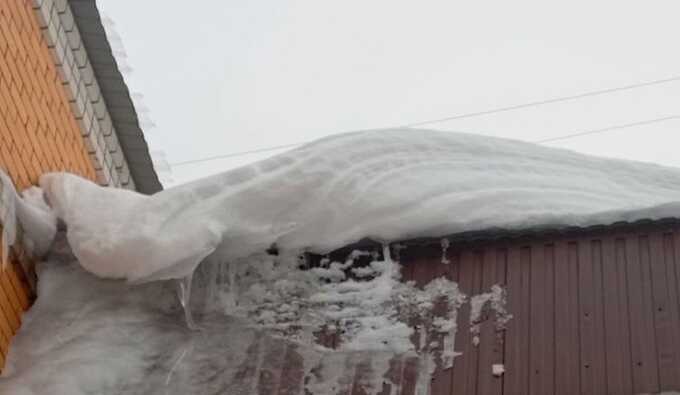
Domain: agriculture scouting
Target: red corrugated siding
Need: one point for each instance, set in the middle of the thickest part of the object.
(593, 314)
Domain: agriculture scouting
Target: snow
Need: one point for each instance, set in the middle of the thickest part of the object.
(8, 198)
(31, 213)
(495, 299)
(383, 184)
(107, 336)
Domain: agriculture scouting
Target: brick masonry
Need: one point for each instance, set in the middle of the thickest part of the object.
(52, 118)
(75, 72)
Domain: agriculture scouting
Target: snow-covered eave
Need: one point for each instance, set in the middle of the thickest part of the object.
(500, 235)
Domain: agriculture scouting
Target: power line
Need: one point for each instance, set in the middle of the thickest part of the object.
(234, 154)
(607, 129)
(547, 140)
(478, 114)
(543, 102)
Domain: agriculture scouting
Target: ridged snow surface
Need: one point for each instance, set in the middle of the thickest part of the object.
(383, 184)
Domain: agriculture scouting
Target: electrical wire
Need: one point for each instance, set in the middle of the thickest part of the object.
(607, 129)
(235, 154)
(543, 102)
(546, 140)
(489, 112)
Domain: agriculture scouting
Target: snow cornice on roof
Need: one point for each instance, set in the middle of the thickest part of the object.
(114, 94)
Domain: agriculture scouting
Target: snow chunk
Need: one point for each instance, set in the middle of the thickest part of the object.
(30, 213)
(384, 184)
(496, 300)
(117, 233)
(498, 369)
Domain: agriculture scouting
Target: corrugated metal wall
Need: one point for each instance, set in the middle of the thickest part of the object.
(593, 314)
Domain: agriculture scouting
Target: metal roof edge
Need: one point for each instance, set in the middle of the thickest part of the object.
(114, 89)
(501, 236)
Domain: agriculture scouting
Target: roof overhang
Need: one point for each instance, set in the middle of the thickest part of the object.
(116, 95)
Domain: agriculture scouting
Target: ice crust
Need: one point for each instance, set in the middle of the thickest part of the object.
(261, 318)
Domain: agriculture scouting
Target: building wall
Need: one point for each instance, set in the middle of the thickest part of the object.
(39, 132)
(592, 314)
(75, 71)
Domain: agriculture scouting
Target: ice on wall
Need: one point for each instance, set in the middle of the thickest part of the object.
(8, 198)
(261, 320)
(260, 313)
(28, 212)
(494, 301)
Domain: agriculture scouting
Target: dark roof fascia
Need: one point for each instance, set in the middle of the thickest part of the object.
(504, 237)
(116, 95)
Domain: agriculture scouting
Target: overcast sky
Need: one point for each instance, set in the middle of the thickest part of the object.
(223, 76)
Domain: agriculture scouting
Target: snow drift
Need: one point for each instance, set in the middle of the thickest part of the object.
(383, 184)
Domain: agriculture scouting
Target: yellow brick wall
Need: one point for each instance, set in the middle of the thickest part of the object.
(38, 133)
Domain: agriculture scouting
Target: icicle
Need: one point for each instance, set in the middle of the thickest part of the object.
(184, 294)
(445, 247)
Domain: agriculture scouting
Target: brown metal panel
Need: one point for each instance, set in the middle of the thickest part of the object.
(464, 372)
(640, 309)
(409, 365)
(441, 379)
(665, 328)
(615, 319)
(593, 369)
(567, 371)
(516, 378)
(671, 280)
(425, 266)
(292, 372)
(362, 373)
(491, 341)
(542, 366)
(622, 283)
(594, 316)
(269, 369)
(393, 376)
(409, 376)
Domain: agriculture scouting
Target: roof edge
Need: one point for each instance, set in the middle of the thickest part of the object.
(115, 94)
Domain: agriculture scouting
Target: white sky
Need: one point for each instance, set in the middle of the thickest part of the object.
(222, 76)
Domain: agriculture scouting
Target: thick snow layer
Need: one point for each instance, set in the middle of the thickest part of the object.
(383, 184)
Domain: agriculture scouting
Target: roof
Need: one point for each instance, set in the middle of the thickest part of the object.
(503, 236)
(116, 95)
